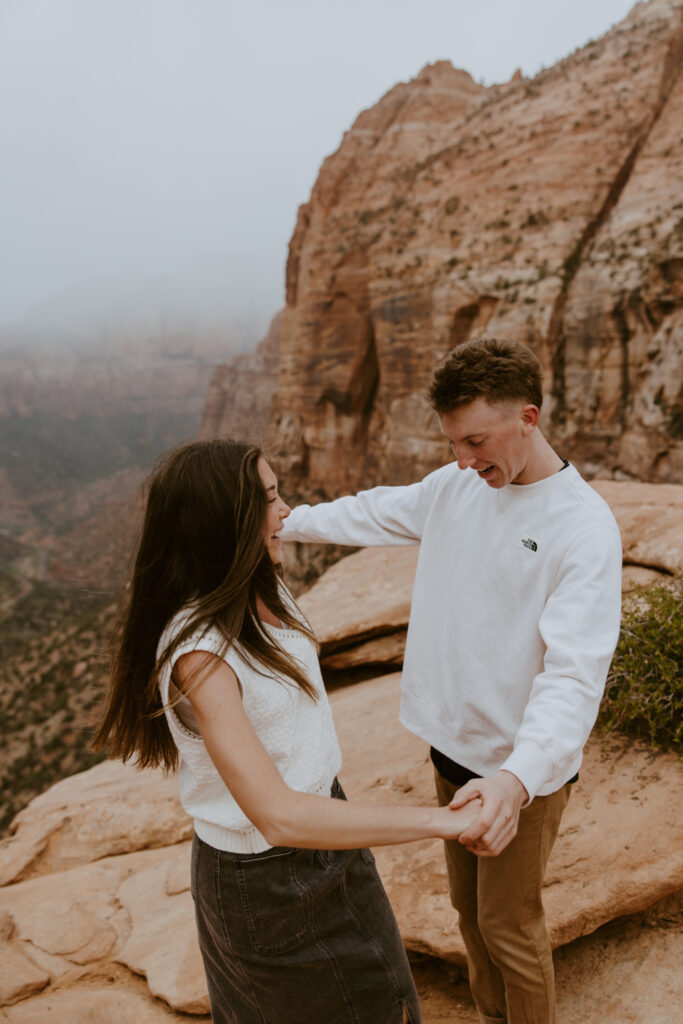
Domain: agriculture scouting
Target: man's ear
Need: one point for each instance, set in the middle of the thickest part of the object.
(529, 416)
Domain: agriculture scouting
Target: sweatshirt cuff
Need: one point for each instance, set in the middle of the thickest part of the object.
(532, 766)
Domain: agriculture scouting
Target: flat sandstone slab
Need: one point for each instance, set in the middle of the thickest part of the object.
(134, 909)
(107, 810)
(387, 649)
(620, 847)
(366, 594)
(650, 517)
(89, 1005)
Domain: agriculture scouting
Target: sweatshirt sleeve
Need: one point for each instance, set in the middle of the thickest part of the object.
(381, 516)
(579, 627)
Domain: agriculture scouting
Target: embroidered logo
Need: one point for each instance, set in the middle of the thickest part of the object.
(529, 543)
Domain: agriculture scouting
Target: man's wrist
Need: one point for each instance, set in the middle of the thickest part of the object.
(516, 785)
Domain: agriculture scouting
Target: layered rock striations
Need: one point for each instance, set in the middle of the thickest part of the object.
(549, 210)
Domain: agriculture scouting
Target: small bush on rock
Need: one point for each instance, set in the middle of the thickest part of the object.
(644, 692)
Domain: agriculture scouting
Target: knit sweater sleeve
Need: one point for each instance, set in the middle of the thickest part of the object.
(380, 516)
(206, 639)
(579, 627)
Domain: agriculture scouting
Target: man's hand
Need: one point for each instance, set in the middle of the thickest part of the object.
(502, 797)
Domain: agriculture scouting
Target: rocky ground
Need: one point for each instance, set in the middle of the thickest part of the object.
(96, 920)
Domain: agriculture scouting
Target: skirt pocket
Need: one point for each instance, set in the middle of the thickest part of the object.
(274, 904)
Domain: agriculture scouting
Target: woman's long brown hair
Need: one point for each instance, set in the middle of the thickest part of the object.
(202, 545)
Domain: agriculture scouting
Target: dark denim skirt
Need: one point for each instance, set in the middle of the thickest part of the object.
(295, 936)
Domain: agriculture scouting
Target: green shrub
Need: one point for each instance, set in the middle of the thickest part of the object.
(644, 692)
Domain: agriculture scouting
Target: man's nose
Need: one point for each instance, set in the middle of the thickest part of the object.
(464, 461)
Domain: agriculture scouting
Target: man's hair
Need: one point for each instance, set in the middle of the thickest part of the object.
(497, 371)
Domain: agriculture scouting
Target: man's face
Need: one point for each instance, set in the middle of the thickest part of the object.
(493, 440)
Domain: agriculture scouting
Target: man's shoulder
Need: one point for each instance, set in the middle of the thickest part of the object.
(591, 507)
(584, 526)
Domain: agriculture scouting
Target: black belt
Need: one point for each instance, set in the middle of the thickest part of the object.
(456, 773)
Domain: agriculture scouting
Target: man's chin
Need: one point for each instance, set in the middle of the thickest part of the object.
(493, 478)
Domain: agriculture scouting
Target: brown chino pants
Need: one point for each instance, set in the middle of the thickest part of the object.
(501, 918)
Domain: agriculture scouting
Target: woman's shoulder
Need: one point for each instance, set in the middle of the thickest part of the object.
(203, 637)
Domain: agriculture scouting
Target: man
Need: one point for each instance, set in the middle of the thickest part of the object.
(514, 621)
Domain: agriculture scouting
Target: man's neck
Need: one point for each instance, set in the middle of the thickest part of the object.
(544, 461)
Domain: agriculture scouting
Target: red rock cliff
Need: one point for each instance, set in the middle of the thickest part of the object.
(239, 396)
(549, 210)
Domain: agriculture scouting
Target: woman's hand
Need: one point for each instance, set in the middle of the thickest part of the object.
(451, 824)
(502, 796)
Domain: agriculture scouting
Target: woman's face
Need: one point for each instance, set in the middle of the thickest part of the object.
(277, 510)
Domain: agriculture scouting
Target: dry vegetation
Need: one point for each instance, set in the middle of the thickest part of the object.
(644, 693)
(52, 672)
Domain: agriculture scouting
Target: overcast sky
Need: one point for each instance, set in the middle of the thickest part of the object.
(152, 140)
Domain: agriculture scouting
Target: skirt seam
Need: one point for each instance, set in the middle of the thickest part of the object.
(329, 956)
(237, 958)
(400, 995)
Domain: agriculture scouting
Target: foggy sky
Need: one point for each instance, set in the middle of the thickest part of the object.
(165, 145)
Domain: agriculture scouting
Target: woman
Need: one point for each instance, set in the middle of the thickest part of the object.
(217, 674)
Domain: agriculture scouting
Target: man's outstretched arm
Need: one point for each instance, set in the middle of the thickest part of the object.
(380, 516)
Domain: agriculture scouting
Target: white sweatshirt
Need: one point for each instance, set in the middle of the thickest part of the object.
(515, 612)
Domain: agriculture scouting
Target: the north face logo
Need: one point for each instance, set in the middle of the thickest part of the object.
(529, 543)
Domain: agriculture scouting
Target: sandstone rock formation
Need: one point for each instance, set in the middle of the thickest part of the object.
(650, 519)
(239, 396)
(360, 607)
(548, 210)
(625, 972)
(109, 809)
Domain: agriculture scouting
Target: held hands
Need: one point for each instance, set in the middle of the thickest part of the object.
(500, 799)
(451, 824)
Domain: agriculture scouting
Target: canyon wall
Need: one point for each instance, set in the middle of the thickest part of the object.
(238, 400)
(548, 210)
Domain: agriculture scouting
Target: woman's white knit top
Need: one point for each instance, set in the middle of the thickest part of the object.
(297, 732)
